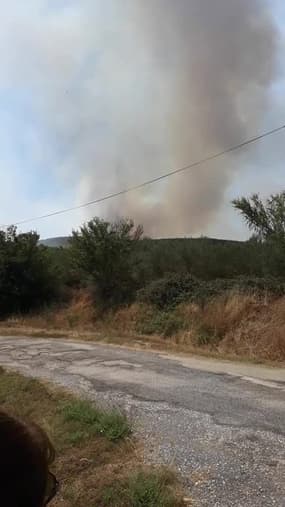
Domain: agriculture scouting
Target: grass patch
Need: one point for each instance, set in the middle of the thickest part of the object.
(87, 421)
(152, 489)
(96, 460)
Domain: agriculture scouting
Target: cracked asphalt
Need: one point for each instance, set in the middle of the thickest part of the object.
(223, 429)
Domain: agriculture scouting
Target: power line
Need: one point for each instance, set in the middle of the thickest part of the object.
(156, 179)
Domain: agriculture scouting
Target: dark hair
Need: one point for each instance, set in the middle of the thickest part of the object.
(25, 455)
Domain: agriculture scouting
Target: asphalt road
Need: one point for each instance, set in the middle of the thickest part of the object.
(220, 424)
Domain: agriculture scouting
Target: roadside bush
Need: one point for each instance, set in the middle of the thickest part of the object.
(172, 290)
(203, 337)
(169, 291)
(273, 287)
(162, 323)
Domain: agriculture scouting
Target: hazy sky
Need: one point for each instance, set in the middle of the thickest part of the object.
(97, 95)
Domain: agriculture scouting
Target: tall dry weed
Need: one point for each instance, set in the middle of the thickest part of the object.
(233, 325)
(260, 334)
(225, 312)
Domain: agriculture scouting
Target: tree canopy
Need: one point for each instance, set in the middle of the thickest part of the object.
(27, 279)
(104, 252)
(265, 219)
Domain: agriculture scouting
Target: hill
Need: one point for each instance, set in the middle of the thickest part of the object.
(59, 241)
(55, 242)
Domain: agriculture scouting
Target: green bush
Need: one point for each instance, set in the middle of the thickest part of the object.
(172, 290)
(168, 291)
(206, 336)
(262, 286)
(163, 323)
(204, 258)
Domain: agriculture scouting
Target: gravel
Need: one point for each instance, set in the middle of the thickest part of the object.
(225, 435)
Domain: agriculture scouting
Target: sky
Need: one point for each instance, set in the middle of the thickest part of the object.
(100, 95)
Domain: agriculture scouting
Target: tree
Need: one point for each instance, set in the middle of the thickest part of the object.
(104, 251)
(266, 220)
(27, 278)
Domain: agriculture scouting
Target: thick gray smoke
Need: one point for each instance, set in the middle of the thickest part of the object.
(209, 67)
(129, 89)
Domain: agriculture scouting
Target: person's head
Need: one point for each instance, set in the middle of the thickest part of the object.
(25, 456)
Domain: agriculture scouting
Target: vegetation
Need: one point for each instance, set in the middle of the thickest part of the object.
(110, 270)
(103, 252)
(28, 279)
(232, 325)
(267, 220)
(204, 258)
(93, 467)
(88, 421)
(170, 291)
(142, 489)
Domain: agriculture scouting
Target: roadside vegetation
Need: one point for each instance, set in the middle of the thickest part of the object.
(97, 462)
(210, 296)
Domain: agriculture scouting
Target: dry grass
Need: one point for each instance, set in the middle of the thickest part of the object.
(225, 313)
(233, 326)
(97, 464)
(79, 312)
(260, 333)
(238, 326)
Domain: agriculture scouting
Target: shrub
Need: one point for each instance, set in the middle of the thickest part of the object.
(274, 287)
(172, 290)
(169, 291)
(204, 337)
(163, 323)
(104, 253)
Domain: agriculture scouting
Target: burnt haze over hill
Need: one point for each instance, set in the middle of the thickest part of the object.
(62, 241)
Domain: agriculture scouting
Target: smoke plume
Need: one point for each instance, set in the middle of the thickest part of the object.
(129, 89)
(211, 67)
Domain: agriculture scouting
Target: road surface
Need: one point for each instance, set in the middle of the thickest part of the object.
(223, 429)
